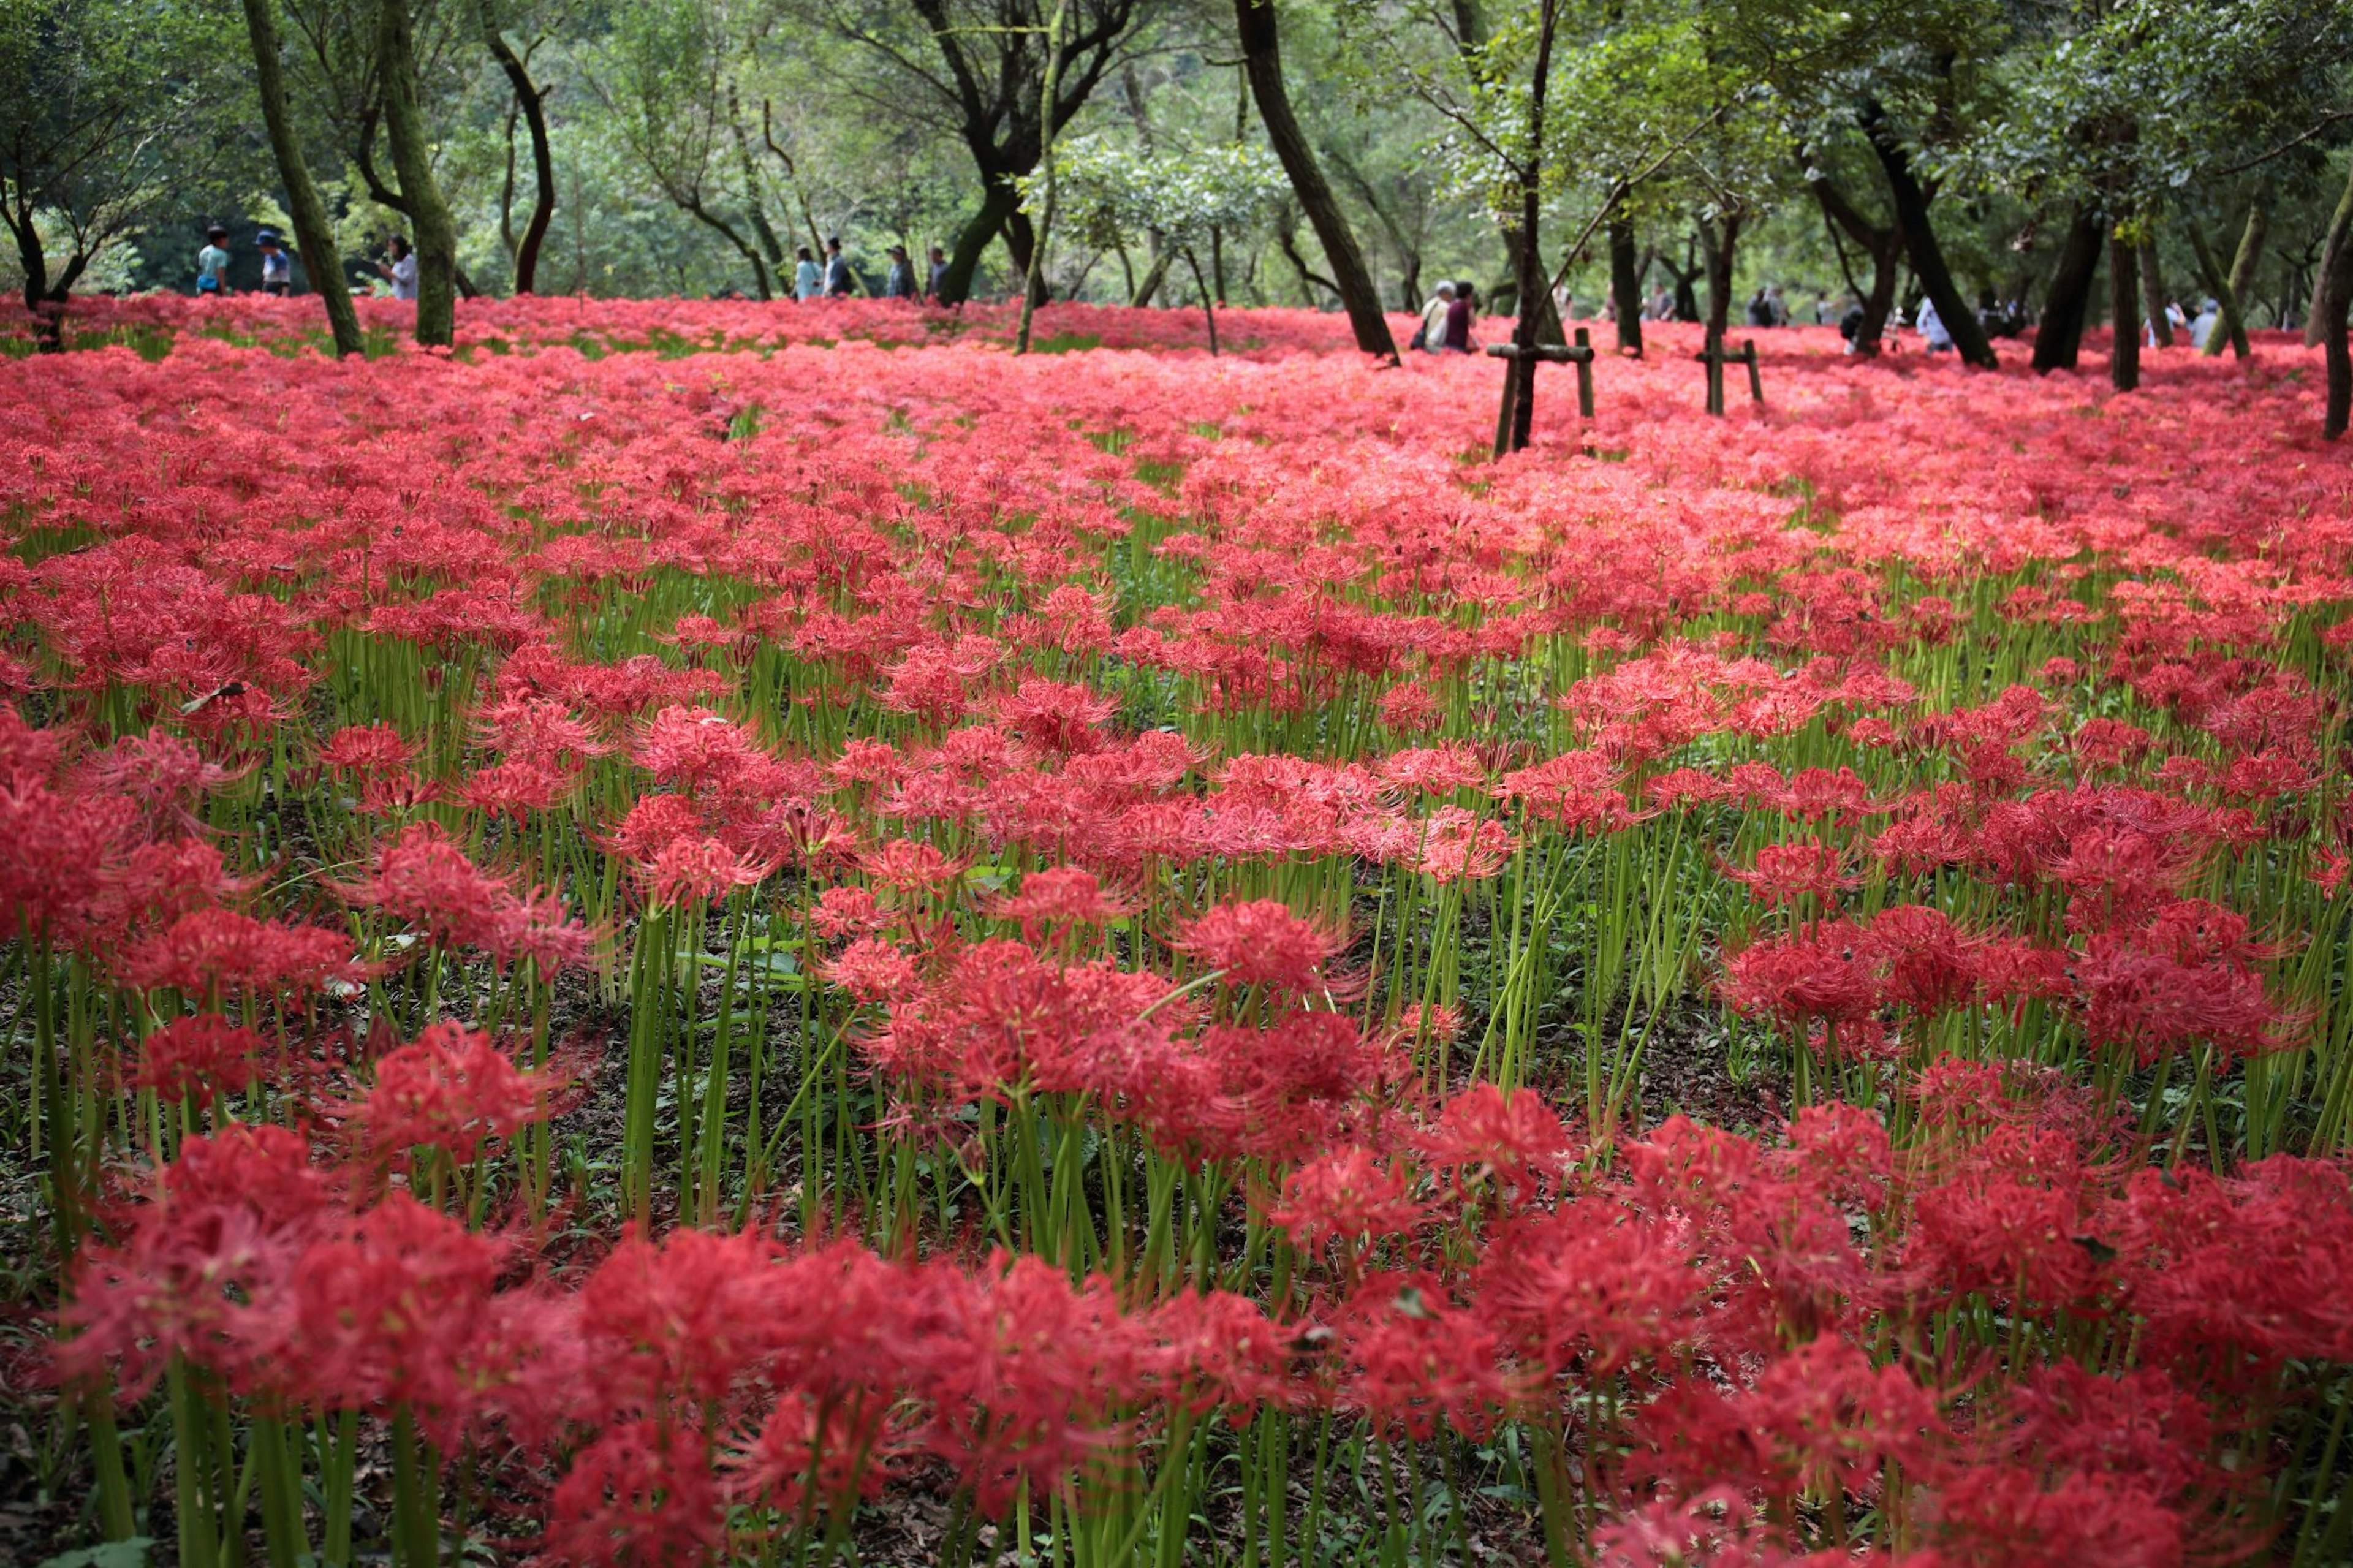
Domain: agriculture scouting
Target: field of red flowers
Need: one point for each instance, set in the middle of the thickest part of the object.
(715, 933)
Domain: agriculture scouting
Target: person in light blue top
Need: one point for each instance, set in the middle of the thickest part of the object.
(805, 277)
(212, 262)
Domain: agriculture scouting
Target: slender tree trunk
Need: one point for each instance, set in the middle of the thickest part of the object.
(2332, 300)
(1626, 287)
(1719, 243)
(998, 199)
(1156, 272)
(728, 231)
(2152, 295)
(1262, 57)
(1885, 249)
(1033, 272)
(2124, 311)
(1208, 306)
(1920, 244)
(532, 103)
(412, 158)
(2341, 236)
(314, 236)
(1535, 300)
(2232, 289)
(2228, 324)
(2068, 302)
(2249, 260)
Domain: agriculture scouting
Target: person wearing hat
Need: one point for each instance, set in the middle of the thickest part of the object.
(277, 267)
(212, 262)
(899, 283)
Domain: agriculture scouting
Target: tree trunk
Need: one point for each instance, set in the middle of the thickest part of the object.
(2332, 300)
(1535, 299)
(1885, 249)
(998, 201)
(2124, 312)
(1920, 245)
(2152, 295)
(412, 158)
(1208, 306)
(533, 104)
(2228, 324)
(695, 207)
(2231, 290)
(2341, 236)
(1262, 57)
(1718, 243)
(1156, 272)
(1626, 287)
(314, 236)
(2068, 302)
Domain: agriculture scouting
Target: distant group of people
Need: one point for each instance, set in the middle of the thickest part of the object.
(213, 261)
(829, 278)
(833, 279)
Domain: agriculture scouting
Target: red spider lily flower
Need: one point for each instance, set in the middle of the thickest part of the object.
(1070, 895)
(389, 1312)
(1821, 1415)
(812, 1457)
(642, 1493)
(1821, 973)
(910, 866)
(163, 775)
(1260, 942)
(846, 911)
(426, 880)
(1409, 710)
(694, 747)
(1784, 873)
(1056, 715)
(216, 953)
(449, 1088)
(1590, 1286)
(1416, 1361)
(694, 869)
(367, 751)
(1026, 1372)
(205, 1267)
(871, 969)
(198, 1058)
(1515, 1140)
(1717, 1528)
(1347, 1195)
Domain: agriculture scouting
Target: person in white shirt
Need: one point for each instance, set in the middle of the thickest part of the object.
(401, 268)
(1932, 328)
(277, 267)
(1431, 339)
(2209, 315)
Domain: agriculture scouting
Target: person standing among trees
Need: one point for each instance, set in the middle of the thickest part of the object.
(939, 276)
(806, 279)
(837, 271)
(899, 283)
(277, 267)
(212, 262)
(401, 270)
